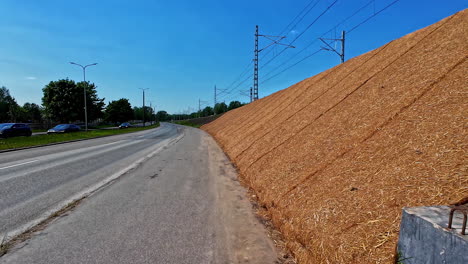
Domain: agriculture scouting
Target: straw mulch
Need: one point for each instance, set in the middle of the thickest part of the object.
(335, 157)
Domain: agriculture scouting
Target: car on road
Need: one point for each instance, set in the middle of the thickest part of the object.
(14, 130)
(63, 128)
(125, 125)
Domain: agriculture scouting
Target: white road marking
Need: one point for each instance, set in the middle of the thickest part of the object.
(16, 165)
(94, 188)
(112, 143)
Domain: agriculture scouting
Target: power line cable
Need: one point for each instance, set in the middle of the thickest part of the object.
(294, 22)
(355, 27)
(238, 78)
(302, 33)
(297, 37)
(300, 15)
(288, 27)
(289, 67)
(369, 18)
(316, 39)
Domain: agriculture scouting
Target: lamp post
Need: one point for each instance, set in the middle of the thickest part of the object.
(154, 113)
(84, 90)
(143, 89)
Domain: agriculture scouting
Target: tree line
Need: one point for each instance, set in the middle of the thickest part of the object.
(218, 109)
(63, 102)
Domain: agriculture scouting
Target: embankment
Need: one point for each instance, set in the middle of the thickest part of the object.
(335, 157)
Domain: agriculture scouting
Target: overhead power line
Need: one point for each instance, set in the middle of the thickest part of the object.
(302, 33)
(289, 27)
(315, 40)
(289, 67)
(246, 70)
(375, 14)
(294, 23)
(269, 74)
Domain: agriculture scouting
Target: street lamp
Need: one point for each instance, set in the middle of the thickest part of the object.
(154, 112)
(84, 90)
(143, 89)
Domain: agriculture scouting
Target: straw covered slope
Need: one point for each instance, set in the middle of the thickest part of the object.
(334, 158)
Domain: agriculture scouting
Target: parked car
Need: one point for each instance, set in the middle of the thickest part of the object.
(63, 128)
(14, 130)
(125, 125)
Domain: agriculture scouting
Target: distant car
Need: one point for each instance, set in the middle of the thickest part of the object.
(63, 128)
(14, 130)
(125, 125)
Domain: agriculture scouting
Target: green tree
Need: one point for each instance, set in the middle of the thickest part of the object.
(207, 111)
(95, 105)
(234, 105)
(138, 113)
(63, 100)
(220, 108)
(32, 112)
(9, 109)
(119, 111)
(162, 116)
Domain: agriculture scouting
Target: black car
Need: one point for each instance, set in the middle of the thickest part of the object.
(14, 130)
(125, 125)
(64, 128)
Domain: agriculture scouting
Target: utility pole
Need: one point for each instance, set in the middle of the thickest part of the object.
(143, 89)
(215, 96)
(275, 41)
(343, 45)
(251, 98)
(255, 80)
(84, 90)
(330, 48)
(151, 118)
(199, 107)
(214, 106)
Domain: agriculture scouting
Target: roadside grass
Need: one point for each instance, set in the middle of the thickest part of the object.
(39, 130)
(186, 123)
(21, 142)
(105, 126)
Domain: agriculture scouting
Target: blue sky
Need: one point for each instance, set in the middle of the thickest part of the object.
(181, 49)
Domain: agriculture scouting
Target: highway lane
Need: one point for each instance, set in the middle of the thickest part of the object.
(37, 180)
(184, 204)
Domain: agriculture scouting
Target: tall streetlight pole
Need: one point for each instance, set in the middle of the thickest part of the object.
(154, 112)
(84, 90)
(143, 89)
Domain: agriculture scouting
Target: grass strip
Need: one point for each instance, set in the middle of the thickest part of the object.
(21, 142)
(39, 130)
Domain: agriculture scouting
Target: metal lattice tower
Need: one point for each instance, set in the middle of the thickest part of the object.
(255, 80)
(275, 41)
(330, 48)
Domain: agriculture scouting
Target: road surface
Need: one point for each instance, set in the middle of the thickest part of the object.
(177, 201)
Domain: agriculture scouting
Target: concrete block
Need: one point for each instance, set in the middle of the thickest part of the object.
(424, 237)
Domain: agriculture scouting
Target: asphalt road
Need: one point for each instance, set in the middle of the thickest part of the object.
(35, 181)
(182, 204)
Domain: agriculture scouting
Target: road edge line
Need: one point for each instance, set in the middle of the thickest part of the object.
(25, 232)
